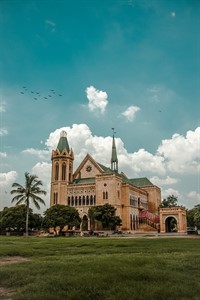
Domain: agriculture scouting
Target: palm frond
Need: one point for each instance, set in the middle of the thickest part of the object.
(36, 204)
(19, 199)
(15, 184)
(37, 198)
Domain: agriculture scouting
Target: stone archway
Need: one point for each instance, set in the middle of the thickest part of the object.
(171, 224)
(85, 223)
(173, 219)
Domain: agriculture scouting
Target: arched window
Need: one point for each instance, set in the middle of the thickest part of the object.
(57, 171)
(63, 171)
(83, 200)
(91, 200)
(69, 201)
(87, 200)
(55, 198)
(76, 201)
(106, 195)
(79, 201)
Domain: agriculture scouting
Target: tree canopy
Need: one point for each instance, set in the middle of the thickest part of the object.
(104, 214)
(14, 218)
(193, 217)
(169, 202)
(61, 215)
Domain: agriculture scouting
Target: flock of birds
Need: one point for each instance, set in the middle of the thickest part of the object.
(37, 95)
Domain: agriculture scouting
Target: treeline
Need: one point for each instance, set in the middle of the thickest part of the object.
(13, 219)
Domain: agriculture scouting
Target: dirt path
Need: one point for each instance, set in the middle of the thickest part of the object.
(6, 293)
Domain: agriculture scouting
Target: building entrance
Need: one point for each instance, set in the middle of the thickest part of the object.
(171, 224)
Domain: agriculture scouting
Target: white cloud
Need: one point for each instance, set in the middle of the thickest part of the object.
(170, 191)
(182, 153)
(3, 131)
(97, 99)
(193, 195)
(173, 14)
(82, 141)
(6, 179)
(175, 155)
(3, 154)
(163, 181)
(43, 171)
(130, 112)
(2, 106)
(41, 154)
(51, 24)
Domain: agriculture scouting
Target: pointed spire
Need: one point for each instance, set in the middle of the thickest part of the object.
(114, 160)
(63, 142)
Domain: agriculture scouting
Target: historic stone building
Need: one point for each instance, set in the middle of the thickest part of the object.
(94, 184)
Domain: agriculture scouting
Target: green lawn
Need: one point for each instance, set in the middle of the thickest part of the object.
(102, 268)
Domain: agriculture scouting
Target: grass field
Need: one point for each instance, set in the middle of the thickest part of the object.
(102, 268)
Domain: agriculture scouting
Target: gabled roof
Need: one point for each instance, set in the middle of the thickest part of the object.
(88, 157)
(105, 169)
(140, 182)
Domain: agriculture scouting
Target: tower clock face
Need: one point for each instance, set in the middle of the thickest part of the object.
(88, 168)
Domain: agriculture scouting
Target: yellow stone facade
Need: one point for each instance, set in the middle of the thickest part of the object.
(173, 219)
(94, 184)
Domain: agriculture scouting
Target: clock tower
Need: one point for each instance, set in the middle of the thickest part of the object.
(62, 170)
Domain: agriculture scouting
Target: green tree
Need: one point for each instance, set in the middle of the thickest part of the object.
(169, 202)
(104, 214)
(61, 215)
(15, 218)
(28, 193)
(193, 217)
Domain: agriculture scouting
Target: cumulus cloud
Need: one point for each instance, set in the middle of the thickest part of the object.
(41, 154)
(6, 179)
(173, 14)
(163, 181)
(193, 195)
(170, 191)
(3, 131)
(43, 171)
(2, 106)
(82, 141)
(178, 155)
(182, 153)
(130, 112)
(97, 99)
(3, 154)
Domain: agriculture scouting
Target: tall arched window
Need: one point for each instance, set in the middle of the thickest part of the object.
(56, 171)
(106, 195)
(55, 198)
(63, 171)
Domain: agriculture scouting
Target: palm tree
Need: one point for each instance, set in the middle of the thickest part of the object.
(30, 191)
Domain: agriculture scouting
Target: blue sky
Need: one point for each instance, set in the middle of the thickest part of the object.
(129, 64)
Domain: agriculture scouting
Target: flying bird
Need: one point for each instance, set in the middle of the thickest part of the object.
(35, 98)
(22, 92)
(45, 98)
(59, 95)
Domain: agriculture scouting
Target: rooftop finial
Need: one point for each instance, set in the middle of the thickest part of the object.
(63, 133)
(113, 129)
(114, 160)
